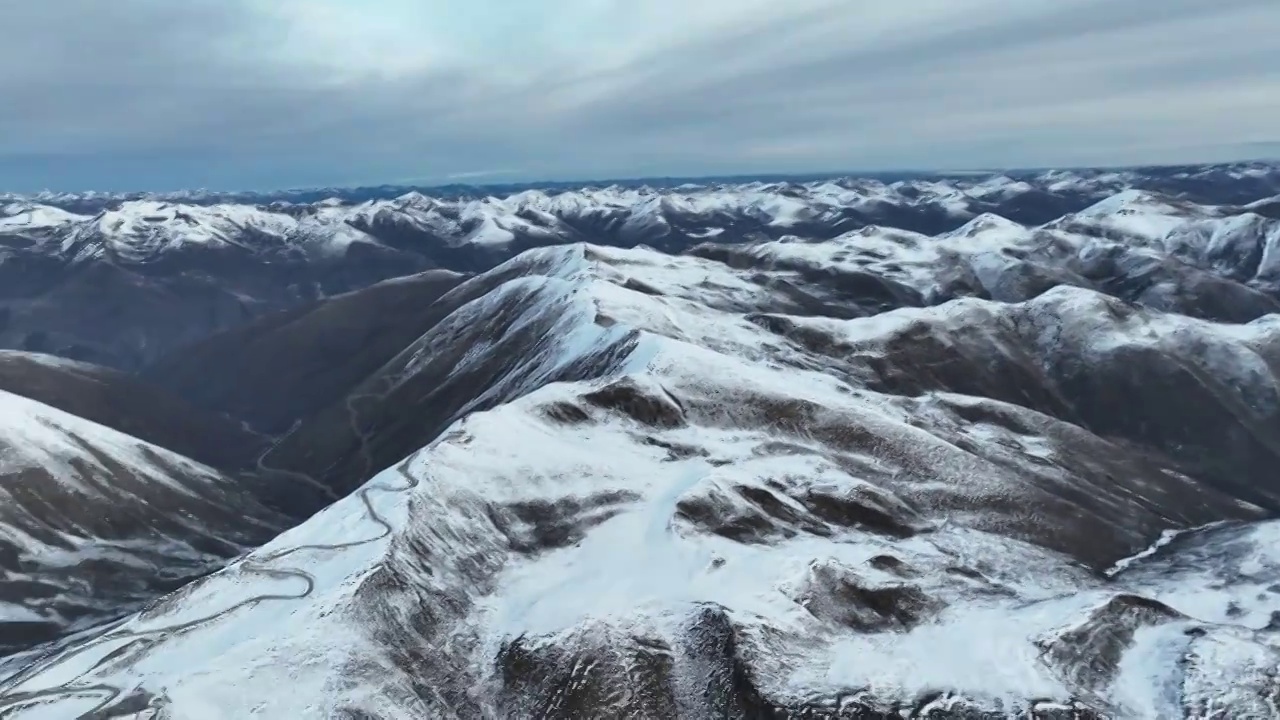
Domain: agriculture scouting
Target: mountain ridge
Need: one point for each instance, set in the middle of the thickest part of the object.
(825, 462)
(797, 465)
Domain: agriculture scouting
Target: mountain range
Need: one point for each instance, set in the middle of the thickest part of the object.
(173, 270)
(980, 445)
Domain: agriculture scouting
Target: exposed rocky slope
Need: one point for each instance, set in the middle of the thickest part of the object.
(95, 523)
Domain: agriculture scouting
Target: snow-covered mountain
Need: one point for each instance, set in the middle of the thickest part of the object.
(674, 499)
(141, 229)
(187, 265)
(950, 447)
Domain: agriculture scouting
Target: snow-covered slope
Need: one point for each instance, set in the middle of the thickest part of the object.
(132, 406)
(93, 523)
(144, 231)
(688, 496)
(21, 216)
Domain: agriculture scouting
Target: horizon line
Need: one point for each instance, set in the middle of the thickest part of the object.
(606, 180)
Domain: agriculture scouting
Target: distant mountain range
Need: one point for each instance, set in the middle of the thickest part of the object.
(1167, 177)
(171, 271)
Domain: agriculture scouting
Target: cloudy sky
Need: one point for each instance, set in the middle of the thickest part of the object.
(156, 94)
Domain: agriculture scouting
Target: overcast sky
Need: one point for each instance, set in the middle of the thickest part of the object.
(159, 94)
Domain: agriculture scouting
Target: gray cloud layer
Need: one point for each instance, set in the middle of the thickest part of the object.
(239, 93)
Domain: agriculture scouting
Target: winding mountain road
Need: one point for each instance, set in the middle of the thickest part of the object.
(13, 700)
